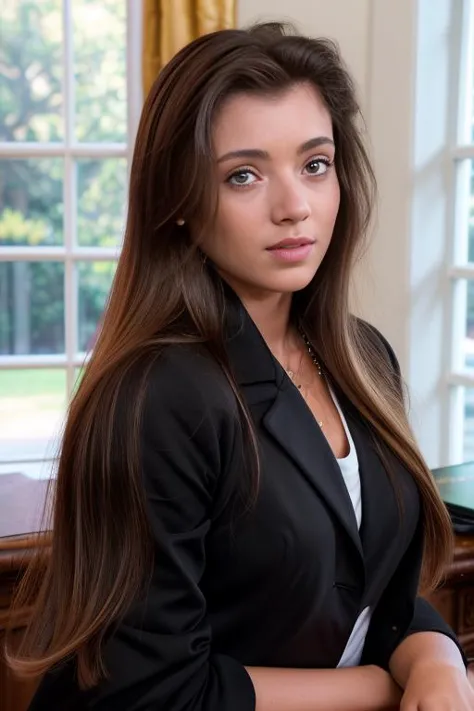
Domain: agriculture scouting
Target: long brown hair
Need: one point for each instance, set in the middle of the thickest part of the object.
(101, 554)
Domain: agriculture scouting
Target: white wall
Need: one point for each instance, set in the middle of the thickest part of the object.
(397, 53)
(346, 21)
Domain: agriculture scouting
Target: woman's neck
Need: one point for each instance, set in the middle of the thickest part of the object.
(271, 315)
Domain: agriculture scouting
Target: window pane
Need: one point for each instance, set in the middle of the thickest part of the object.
(31, 71)
(468, 453)
(464, 212)
(100, 55)
(31, 308)
(32, 407)
(470, 211)
(470, 88)
(469, 342)
(95, 279)
(466, 86)
(101, 186)
(31, 202)
(467, 225)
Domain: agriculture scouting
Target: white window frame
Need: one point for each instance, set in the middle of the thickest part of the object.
(460, 272)
(71, 253)
(404, 286)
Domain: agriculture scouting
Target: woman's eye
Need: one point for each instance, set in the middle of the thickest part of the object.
(318, 166)
(241, 178)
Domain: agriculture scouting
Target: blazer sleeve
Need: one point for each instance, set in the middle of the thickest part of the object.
(160, 656)
(427, 619)
(401, 612)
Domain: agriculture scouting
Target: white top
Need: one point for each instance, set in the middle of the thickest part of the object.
(349, 466)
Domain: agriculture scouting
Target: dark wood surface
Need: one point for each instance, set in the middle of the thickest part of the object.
(455, 599)
(15, 554)
(22, 509)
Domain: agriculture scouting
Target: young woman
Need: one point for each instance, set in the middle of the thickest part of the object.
(241, 512)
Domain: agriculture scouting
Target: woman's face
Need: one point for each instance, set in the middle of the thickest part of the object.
(278, 191)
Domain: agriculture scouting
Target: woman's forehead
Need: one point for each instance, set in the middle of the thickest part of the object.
(253, 121)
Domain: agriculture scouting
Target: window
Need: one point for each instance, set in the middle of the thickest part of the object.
(461, 378)
(69, 101)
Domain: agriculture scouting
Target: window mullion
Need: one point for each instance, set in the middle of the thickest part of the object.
(462, 152)
(17, 362)
(70, 286)
(462, 378)
(134, 84)
(58, 254)
(462, 271)
(52, 150)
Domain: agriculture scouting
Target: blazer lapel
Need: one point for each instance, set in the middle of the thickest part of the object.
(289, 420)
(291, 423)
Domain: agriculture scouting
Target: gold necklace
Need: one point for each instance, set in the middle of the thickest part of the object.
(311, 352)
(294, 374)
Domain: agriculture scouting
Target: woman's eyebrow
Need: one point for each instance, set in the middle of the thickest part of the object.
(264, 155)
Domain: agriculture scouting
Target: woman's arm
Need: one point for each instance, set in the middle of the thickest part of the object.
(355, 689)
(431, 669)
(423, 649)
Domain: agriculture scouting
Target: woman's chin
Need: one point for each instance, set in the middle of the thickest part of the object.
(284, 282)
(292, 280)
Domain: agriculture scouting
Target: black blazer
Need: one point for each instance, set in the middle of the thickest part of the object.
(280, 585)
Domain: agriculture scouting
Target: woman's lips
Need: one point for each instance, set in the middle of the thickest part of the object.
(293, 249)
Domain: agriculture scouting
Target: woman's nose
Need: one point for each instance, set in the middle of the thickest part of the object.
(290, 203)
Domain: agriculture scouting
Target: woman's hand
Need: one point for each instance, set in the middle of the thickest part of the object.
(437, 686)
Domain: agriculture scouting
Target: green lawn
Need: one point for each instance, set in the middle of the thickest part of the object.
(30, 383)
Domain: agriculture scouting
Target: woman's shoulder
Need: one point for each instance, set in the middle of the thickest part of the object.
(189, 417)
(187, 377)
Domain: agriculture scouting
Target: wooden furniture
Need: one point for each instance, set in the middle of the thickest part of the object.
(22, 502)
(455, 601)
(15, 553)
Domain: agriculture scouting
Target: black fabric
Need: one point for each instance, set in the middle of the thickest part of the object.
(462, 519)
(280, 585)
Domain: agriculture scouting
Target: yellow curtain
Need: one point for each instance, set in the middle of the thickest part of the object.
(170, 24)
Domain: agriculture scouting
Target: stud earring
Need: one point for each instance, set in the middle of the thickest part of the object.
(180, 222)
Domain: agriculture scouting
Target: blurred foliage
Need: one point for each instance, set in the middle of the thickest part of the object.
(14, 227)
(32, 307)
(94, 280)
